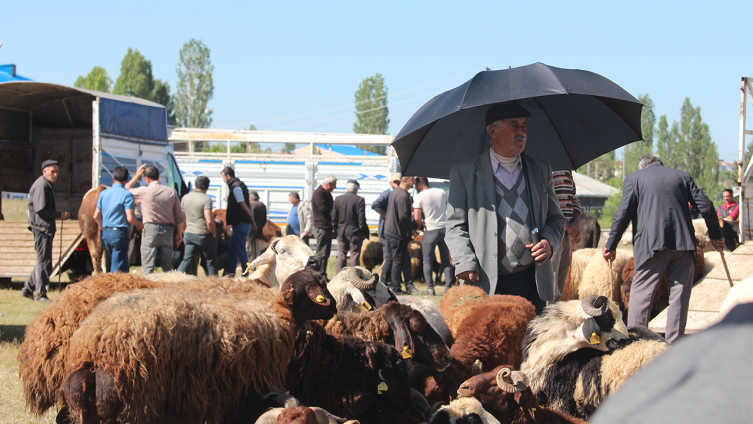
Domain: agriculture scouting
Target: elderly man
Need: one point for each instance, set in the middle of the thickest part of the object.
(201, 233)
(114, 213)
(430, 212)
(398, 230)
(349, 223)
(490, 214)
(259, 215)
(162, 217)
(299, 218)
(42, 215)
(654, 198)
(240, 217)
(321, 208)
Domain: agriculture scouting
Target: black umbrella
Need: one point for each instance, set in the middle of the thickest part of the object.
(576, 116)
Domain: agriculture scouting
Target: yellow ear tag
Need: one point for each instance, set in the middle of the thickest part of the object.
(382, 387)
(595, 339)
(365, 306)
(320, 298)
(407, 353)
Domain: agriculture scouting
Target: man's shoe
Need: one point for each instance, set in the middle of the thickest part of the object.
(42, 298)
(396, 290)
(430, 292)
(27, 294)
(411, 289)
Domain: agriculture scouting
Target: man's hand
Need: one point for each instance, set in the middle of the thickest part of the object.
(178, 238)
(139, 227)
(608, 255)
(140, 171)
(718, 244)
(65, 215)
(305, 233)
(541, 252)
(468, 276)
(573, 230)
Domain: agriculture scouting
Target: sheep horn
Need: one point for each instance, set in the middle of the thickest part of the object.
(519, 381)
(356, 277)
(595, 305)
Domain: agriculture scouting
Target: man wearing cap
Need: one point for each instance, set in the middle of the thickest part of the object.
(349, 223)
(42, 216)
(321, 208)
(114, 213)
(496, 202)
(380, 206)
(201, 233)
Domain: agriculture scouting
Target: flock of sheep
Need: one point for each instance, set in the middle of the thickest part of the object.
(285, 346)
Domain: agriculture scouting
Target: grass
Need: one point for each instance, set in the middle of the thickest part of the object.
(15, 209)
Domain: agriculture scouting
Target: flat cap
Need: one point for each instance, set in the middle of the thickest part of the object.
(505, 111)
(396, 176)
(354, 182)
(48, 162)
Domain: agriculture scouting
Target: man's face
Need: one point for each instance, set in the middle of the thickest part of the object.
(509, 139)
(409, 182)
(330, 187)
(224, 177)
(293, 200)
(728, 197)
(51, 173)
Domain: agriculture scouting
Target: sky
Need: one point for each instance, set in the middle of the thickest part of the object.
(295, 66)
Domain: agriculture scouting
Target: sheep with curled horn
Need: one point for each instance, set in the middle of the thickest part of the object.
(163, 355)
(358, 290)
(463, 411)
(283, 257)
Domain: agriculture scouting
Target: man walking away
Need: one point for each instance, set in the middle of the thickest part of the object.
(349, 223)
(398, 229)
(432, 204)
(564, 187)
(162, 217)
(655, 199)
(114, 213)
(321, 208)
(42, 215)
(300, 222)
(259, 220)
(201, 233)
(380, 206)
(239, 216)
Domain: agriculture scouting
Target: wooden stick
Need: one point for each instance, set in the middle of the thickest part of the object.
(726, 269)
(569, 272)
(60, 257)
(611, 281)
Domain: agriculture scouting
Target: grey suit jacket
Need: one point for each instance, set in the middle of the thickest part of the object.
(472, 220)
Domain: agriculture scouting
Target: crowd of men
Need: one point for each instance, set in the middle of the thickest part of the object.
(506, 226)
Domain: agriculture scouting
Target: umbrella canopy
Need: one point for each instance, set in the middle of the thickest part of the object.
(576, 116)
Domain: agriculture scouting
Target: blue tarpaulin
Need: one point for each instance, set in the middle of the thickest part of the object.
(132, 120)
(8, 73)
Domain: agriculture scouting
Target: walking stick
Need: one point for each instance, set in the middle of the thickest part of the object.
(60, 257)
(569, 271)
(729, 278)
(611, 281)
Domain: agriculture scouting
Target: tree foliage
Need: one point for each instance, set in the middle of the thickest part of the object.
(195, 86)
(371, 110)
(635, 151)
(136, 80)
(97, 79)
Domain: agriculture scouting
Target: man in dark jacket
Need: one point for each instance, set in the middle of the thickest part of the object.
(655, 199)
(42, 215)
(380, 206)
(398, 229)
(349, 223)
(239, 216)
(259, 214)
(321, 208)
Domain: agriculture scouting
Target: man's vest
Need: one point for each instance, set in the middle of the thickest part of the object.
(235, 214)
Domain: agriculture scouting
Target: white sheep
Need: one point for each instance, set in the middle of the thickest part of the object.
(741, 292)
(431, 312)
(285, 256)
(357, 290)
(596, 276)
(466, 410)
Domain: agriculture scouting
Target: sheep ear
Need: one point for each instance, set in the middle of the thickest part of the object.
(477, 367)
(266, 258)
(403, 341)
(316, 294)
(592, 331)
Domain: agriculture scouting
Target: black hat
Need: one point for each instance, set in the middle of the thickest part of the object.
(505, 111)
(48, 162)
(354, 182)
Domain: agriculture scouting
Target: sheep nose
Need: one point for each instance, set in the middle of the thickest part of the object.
(312, 263)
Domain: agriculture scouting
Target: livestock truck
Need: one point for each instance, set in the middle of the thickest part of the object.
(744, 172)
(275, 175)
(89, 133)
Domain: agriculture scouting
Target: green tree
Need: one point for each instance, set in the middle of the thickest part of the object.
(288, 147)
(700, 152)
(195, 86)
(135, 77)
(371, 110)
(97, 79)
(635, 151)
(161, 95)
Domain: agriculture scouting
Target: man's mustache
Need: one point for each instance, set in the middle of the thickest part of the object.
(519, 138)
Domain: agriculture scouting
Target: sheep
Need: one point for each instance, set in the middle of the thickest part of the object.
(358, 290)
(331, 371)
(43, 353)
(416, 258)
(710, 261)
(463, 411)
(300, 414)
(578, 263)
(431, 312)
(368, 410)
(596, 278)
(506, 395)
(456, 300)
(741, 292)
(160, 355)
(371, 253)
(400, 326)
(565, 327)
(579, 382)
(284, 256)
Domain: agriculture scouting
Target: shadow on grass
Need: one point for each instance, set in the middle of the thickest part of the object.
(10, 332)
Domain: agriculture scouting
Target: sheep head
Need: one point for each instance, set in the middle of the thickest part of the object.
(603, 322)
(362, 281)
(415, 338)
(463, 411)
(503, 392)
(284, 256)
(305, 292)
(389, 379)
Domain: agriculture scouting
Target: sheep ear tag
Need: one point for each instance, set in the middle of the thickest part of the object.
(316, 294)
(382, 387)
(591, 331)
(407, 353)
(365, 306)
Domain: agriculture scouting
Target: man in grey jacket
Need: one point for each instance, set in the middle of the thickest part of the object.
(42, 215)
(490, 215)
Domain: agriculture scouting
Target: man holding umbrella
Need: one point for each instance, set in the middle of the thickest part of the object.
(499, 204)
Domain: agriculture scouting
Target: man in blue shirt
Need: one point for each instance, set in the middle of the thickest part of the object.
(114, 212)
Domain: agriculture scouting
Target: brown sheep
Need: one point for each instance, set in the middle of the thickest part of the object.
(371, 253)
(456, 301)
(160, 355)
(43, 353)
(416, 258)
